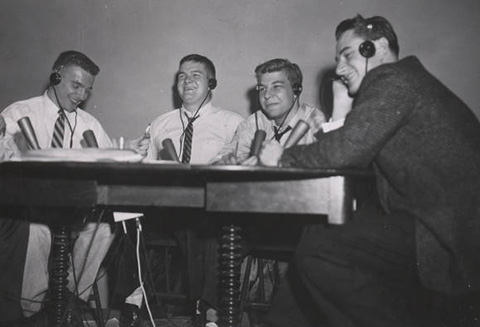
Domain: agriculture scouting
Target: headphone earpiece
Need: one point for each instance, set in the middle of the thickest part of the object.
(367, 49)
(212, 83)
(297, 89)
(55, 78)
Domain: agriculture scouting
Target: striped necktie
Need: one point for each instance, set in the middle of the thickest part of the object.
(187, 141)
(58, 130)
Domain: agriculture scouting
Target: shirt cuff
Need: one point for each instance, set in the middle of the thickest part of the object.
(332, 125)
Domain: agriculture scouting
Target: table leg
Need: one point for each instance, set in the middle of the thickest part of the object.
(59, 272)
(230, 264)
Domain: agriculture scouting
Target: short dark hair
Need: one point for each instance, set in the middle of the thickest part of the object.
(203, 60)
(75, 58)
(294, 74)
(380, 27)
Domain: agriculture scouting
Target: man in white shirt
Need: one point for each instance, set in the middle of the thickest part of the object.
(213, 127)
(198, 131)
(71, 82)
(279, 85)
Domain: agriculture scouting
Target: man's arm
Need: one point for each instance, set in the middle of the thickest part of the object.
(8, 149)
(238, 149)
(342, 102)
(271, 152)
(381, 107)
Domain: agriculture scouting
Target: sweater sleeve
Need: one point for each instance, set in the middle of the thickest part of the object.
(383, 103)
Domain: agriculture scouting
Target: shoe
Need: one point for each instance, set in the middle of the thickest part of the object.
(75, 311)
(205, 315)
(130, 316)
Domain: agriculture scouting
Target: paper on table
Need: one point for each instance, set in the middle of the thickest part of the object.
(82, 155)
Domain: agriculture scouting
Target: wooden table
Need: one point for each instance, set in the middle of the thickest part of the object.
(221, 189)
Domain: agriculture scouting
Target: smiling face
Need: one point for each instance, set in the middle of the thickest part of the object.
(192, 84)
(74, 88)
(351, 65)
(276, 95)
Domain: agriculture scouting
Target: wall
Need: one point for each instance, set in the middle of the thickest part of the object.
(138, 44)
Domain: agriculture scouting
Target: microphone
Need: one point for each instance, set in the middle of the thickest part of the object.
(3, 126)
(258, 139)
(90, 139)
(170, 148)
(28, 132)
(297, 133)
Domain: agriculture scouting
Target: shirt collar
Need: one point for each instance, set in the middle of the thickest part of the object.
(204, 110)
(52, 107)
(49, 104)
(293, 120)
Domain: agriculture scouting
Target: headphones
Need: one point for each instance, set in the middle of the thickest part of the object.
(212, 83)
(55, 78)
(367, 47)
(297, 89)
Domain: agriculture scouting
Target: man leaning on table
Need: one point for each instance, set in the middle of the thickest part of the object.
(58, 122)
(424, 144)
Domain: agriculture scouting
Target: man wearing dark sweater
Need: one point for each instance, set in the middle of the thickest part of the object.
(424, 145)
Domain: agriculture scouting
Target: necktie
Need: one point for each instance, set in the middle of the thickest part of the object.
(59, 130)
(278, 135)
(187, 141)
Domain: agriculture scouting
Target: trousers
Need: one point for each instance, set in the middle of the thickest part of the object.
(13, 248)
(88, 252)
(359, 274)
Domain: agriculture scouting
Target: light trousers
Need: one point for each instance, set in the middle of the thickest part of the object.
(88, 253)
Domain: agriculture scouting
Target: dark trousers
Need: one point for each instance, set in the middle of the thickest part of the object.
(200, 246)
(362, 273)
(13, 249)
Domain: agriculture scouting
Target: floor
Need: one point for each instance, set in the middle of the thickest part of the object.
(173, 321)
(113, 321)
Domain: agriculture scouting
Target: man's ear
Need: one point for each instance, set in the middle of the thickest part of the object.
(382, 47)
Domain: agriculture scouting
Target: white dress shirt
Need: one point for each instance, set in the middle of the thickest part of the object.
(43, 114)
(241, 144)
(213, 128)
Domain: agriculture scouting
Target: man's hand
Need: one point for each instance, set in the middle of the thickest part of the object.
(228, 159)
(342, 102)
(270, 153)
(252, 161)
(139, 145)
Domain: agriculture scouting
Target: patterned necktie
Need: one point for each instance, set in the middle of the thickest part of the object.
(59, 130)
(187, 141)
(278, 135)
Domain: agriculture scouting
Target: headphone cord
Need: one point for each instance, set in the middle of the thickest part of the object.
(276, 130)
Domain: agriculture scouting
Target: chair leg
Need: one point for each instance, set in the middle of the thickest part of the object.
(98, 306)
(246, 283)
(261, 279)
